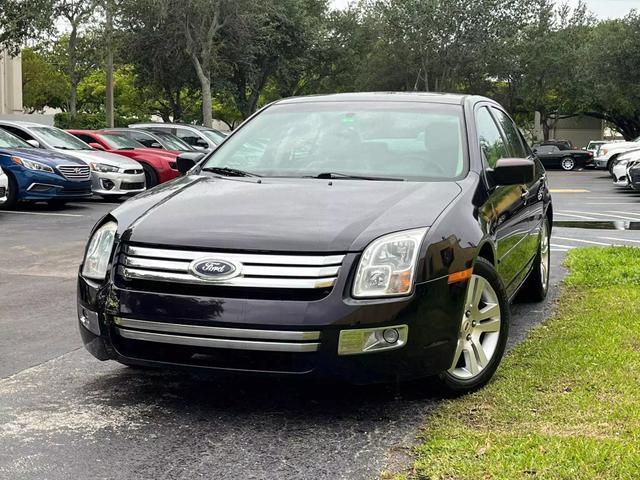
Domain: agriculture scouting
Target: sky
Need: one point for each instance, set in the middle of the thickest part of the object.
(602, 8)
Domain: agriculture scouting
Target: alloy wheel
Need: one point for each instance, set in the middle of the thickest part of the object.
(545, 258)
(479, 330)
(568, 163)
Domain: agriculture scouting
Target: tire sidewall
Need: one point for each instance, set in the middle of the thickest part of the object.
(487, 271)
(150, 176)
(12, 193)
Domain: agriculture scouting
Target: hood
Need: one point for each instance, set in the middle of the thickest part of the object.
(48, 157)
(292, 215)
(148, 153)
(89, 156)
(620, 146)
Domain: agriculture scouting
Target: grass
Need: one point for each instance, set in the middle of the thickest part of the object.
(565, 404)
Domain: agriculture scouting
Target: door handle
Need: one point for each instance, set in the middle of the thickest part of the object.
(525, 194)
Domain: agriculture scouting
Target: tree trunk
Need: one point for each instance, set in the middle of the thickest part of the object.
(109, 66)
(207, 110)
(71, 68)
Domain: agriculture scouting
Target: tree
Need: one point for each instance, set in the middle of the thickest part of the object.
(42, 85)
(154, 43)
(19, 22)
(77, 13)
(610, 74)
(202, 22)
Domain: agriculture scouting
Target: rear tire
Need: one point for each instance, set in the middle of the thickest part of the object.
(12, 194)
(484, 330)
(150, 176)
(536, 286)
(568, 164)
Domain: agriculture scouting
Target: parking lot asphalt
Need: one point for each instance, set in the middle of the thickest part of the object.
(64, 414)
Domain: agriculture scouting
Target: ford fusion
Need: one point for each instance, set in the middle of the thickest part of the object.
(367, 237)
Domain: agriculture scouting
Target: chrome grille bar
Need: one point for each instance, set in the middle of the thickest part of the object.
(218, 342)
(216, 331)
(74, 172)
(258, 270)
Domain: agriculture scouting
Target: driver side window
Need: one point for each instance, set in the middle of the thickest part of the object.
(492, 144)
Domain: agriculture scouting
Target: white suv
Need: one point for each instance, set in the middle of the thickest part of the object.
(610, 151)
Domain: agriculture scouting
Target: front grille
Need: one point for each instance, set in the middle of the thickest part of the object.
(257, 271)
(132, 186)
(75, 172)
(634, 175)
(133, 171)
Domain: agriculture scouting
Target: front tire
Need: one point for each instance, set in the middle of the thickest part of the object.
(484, 329)
(568, 164)
(150, 176)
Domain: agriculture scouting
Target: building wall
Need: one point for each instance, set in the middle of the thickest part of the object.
(580, 130)
(10, 84)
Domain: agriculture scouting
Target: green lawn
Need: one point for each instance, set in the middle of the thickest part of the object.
(565, 404)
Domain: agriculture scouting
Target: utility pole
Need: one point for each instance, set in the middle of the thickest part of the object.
(109, 64)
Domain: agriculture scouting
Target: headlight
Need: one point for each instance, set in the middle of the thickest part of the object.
(388, 264)
(102, 167)
(32, 165)
(96, 261)
(603, 151)
(622, 163)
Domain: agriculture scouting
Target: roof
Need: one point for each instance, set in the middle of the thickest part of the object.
(418, 97)
(163, 124)
(21, 123)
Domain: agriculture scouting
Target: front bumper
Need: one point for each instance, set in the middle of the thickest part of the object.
(117, 183)
(301, 336)
(42, 186)
(601, 162)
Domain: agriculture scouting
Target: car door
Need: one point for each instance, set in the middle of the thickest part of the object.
(549, 155)
(532, 193)
(509, 225)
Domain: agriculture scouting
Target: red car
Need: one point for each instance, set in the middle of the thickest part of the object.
(159, 165)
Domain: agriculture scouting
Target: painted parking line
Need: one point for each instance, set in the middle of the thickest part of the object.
(47, 214)
(626, 213)
(569, 190)
(563, 247)
(620, 239)
(579, 240)
(583, 217)
(606, 215)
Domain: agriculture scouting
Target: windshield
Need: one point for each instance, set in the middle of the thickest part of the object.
(413, 141)
(60, 139)
(121, 143)
(215, 137)
(171, 142)
(8, 140)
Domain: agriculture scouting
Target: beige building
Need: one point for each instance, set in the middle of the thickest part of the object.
(10, 84)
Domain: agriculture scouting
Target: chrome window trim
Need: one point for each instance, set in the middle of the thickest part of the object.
(218, 342)
(226, 332)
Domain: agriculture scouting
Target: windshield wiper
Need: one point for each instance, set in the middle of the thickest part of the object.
(230, 172)
(338, 175)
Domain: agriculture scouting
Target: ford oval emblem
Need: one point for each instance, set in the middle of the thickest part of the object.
(213, 269)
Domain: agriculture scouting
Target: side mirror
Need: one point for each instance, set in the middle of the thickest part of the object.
(96, 146)
(34, 143)
(535, 150)
(512, 171)
(186, 161)
(155, 145)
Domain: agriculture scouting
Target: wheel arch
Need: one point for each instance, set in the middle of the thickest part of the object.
(487, 252)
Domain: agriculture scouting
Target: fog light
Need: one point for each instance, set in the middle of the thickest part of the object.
(89, 319)
(108, 184)
(391, 335)
(370, 340)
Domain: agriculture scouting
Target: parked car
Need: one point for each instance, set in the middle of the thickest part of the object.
(552, 156)
(561, 144)
(318, 257)
(112, 176)
(151, 139)
(620, 169)
(594, 146)
(159, 165)
(4, 186)
(634, 176)
(37, 175)
(197, 136)
(609, 152)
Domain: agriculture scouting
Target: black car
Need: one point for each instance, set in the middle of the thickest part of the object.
(634, 176)
(151, 139)
(554, 155)
(370, 237)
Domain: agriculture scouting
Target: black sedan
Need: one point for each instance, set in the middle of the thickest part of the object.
(554, 156)
(371, 237)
